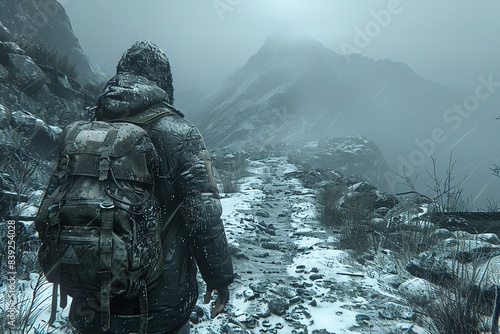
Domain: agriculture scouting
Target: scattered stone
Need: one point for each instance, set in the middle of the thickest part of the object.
(250, 322)
(315, 277)
(284, 291)
(263, 311)
(278, 306)
(313, 303)
(418, 291)
(266, 323)
(441, 234)
(360, 318)
(394, 311)
(298, 285)
(382, 211)
(262, 213)
(259, 287)
(241, 256)
(491, 238)
(249, 295)
(270, 245)
(385, 200)
(197, 315)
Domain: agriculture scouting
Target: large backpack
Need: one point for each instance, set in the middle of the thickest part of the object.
(103, 239)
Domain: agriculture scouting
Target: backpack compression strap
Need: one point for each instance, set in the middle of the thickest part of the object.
(105, 250)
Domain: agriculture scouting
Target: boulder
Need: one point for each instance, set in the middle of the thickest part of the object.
(28, 77)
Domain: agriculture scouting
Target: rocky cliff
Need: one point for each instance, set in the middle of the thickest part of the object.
(46, 82)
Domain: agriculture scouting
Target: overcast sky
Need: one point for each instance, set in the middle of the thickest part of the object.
(449, 41)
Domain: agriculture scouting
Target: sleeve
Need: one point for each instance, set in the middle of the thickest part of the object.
(202, 211)
(42, 217)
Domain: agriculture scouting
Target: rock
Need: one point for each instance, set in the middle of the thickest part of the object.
(315, 277)
(382, 211)
(5, 117)
(385, 200)
(306, 294)
(278, 306)
(262, 255)
(362, 187)
(262, 213)
(259, 287)
(266, 323)
(249, 295)
(441, 234)
(313, 303)
(8, 48)
(5, 34)
(270, 245)
(197, 315)
(430, 266)
(489, 238)
(249, 323)
(263, 311)
(418, 291)
(379, 224)
(360, 318)
(41, 139)
(4, 74)
(28, 76)
(284, 291)
(393, 281)
(396, 311)
(241, 256)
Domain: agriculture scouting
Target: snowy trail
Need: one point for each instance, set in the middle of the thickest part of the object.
(291, 279)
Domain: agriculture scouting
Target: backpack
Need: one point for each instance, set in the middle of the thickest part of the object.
(103, 238)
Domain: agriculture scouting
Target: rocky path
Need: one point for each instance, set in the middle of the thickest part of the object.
(290, 276)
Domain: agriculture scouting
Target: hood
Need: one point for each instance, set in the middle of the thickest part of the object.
(132, 98)
(143, 80)
(147, 60)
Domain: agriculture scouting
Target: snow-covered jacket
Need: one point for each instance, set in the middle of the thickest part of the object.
(190, 201)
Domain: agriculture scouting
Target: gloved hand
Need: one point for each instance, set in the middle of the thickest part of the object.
(220, 302)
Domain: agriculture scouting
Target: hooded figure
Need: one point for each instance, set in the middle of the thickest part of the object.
(142, 93)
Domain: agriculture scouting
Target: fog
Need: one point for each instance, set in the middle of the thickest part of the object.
(451, 42)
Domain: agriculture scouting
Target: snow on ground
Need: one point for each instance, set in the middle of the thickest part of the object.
(325, 289)
(315, 263)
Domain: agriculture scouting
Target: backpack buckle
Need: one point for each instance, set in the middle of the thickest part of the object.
(107, 205)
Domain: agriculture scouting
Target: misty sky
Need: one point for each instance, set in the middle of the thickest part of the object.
(449, 41)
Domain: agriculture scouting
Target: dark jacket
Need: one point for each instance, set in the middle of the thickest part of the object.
(190, 202)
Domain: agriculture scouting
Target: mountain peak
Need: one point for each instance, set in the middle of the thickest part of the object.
(289, 45)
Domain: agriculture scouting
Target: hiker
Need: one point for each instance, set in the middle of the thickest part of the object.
(192, 232)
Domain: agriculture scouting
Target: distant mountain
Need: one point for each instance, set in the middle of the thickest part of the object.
(295, 88)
